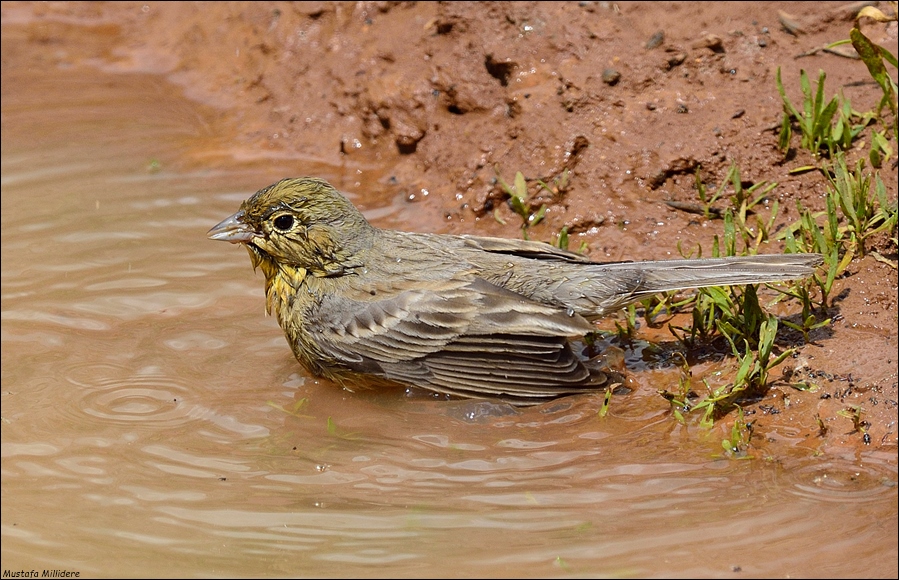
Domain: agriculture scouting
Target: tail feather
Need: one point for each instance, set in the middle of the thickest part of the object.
(614, 286)
(664, 276)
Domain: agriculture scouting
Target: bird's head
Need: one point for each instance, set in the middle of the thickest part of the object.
(301, 223)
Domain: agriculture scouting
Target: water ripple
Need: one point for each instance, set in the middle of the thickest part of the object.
(61, 320)
(137, 404)
(116, 393)
(147, 396)
(836, 481)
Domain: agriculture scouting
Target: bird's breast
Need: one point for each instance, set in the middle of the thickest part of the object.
(283, 286)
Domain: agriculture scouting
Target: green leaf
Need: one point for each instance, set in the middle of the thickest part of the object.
(788, 105)
(819, 98)
(521, 187)
(786, 133)
(518, 206)
(871, 55)
(562, 241)
(823, 122)
(604, 409)
(535, 218)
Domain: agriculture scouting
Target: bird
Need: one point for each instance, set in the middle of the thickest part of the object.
(459, 315)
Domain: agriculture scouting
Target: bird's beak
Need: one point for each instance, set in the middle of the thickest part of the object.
(234, 230)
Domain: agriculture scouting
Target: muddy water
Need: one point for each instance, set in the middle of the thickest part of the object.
(156, 424)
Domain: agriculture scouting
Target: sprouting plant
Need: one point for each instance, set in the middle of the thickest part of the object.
(519, 201)
(559, 185)
(562, 241)
(703, 316)
(626, 333)
(808, 320)
(881, 149)
(680, 401)
(335, 431)
(707, 200)
(752, 374)
(744, 201)
(733, 312)
(813, 118)
(741, 318)
(751, 380)
(757, 375)
(294, 410)
(865, 214)
(667, 302)
(736, 445)
(815, 121)
(874, 55)
(822, 427)
(858, 425)
(606, 401)
(805, 235)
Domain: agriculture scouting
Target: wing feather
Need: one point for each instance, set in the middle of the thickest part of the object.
(466, 338)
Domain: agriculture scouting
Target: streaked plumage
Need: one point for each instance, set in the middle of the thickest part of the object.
(464, 315)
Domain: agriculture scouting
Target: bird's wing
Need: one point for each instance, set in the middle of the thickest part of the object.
(523, 248)
(466, 337)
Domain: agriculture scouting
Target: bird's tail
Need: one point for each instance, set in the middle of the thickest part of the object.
(615, 285)
(662, 276)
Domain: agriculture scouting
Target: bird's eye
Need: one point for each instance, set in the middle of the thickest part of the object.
(283, 222)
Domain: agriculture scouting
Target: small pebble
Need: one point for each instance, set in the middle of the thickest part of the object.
(611, 76)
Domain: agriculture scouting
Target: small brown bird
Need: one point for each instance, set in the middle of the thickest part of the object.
(463, 315)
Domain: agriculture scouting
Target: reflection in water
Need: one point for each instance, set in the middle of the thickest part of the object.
(155, 420)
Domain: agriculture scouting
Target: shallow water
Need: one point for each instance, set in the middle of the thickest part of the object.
(156, 424)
